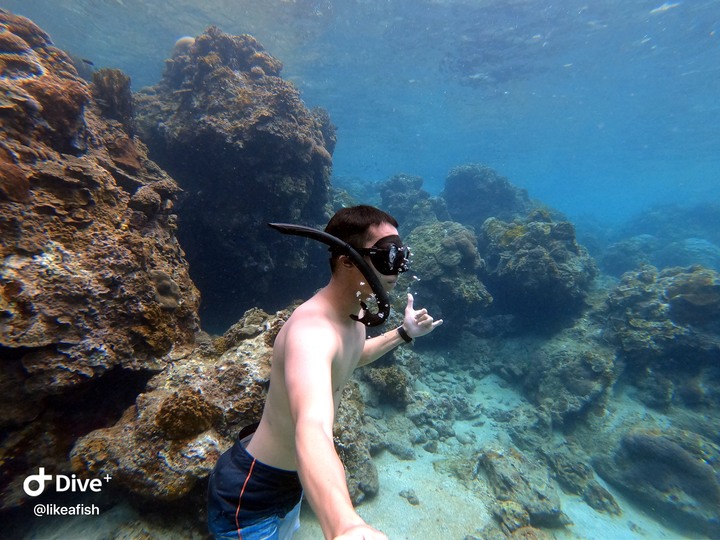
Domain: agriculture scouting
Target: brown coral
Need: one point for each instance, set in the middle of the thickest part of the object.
(184, 414)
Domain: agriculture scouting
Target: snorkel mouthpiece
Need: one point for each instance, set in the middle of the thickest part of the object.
(368, 318)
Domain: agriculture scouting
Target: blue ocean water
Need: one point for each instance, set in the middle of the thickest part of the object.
(600, 109)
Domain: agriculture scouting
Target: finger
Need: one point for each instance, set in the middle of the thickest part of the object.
(437, 323)
(421, 314)
(410, 301)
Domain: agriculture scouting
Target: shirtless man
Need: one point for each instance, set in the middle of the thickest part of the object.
(256, 488)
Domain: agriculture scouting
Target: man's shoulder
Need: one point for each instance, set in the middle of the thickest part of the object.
(310, 316)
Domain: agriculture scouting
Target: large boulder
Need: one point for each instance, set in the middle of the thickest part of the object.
(474, 193)
(176, 430)
(666, 325)
(673, 473)
(247, 151)
(535, 267)
(445, 263)
(95, 294)
(524, 494)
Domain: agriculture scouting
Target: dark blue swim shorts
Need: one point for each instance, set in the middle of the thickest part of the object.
(243, 490)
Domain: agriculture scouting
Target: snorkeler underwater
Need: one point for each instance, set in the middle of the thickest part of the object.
(165, 177)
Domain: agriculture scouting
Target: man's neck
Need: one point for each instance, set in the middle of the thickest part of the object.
(342, 299)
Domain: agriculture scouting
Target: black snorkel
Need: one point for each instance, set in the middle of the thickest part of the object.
(383, 301)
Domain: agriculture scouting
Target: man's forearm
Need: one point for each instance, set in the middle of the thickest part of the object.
(378, 346)
(323, 478)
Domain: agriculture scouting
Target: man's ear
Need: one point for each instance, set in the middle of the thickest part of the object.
(346, 261)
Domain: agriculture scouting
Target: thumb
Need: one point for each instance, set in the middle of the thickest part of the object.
(410, 301)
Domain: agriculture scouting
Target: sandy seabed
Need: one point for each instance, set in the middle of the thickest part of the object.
(450, 509)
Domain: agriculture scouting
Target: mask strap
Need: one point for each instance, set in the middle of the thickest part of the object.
(383, 301)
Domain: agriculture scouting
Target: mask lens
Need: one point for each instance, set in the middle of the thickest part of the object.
(392, 260)
(388, 256)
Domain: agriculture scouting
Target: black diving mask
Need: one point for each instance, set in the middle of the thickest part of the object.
(388, 255)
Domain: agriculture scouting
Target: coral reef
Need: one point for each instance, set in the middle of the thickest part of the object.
(475, 193)
(665, 236)
(392, 384)
(111, 91)
(666, 325)
(403, 197)
(247, 151)
(445, 258)
(535, 268)
(674, 472)
(568, 377)
(80, 299)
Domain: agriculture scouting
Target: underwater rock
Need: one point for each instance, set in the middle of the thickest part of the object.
(446, 261)
(666, 325)
(351, 445)
(247, 151)
(111, 91)
(78, 301)
(189, 414)
(535, 268)
(523, 491)
(474, 193)
(628, 254)
(575, 476)
(675, 473)
(404, 199)
(393, 384)
(666, 236)
(569, 378)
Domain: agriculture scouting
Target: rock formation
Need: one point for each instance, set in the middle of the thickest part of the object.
(247, 151)
(666, 325)
(95, 294)
(535, 268)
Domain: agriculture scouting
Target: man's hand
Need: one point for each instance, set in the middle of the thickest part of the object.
(418, 322)
(361, 532)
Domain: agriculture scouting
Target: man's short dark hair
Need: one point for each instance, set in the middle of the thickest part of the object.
(351, 225)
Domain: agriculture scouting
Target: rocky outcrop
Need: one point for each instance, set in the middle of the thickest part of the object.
(95, 294)
(666, 236)
(568, 376)
(446, 261)
(525, 496)
(247, 151)
(189, 414)
(666, 325)
(675, 474)
(577, 477)
(404, 199)
(351, 444)
(535, 268)
(474, 193)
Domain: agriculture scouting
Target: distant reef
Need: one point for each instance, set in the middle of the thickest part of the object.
(95, 293)
(246, 150)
